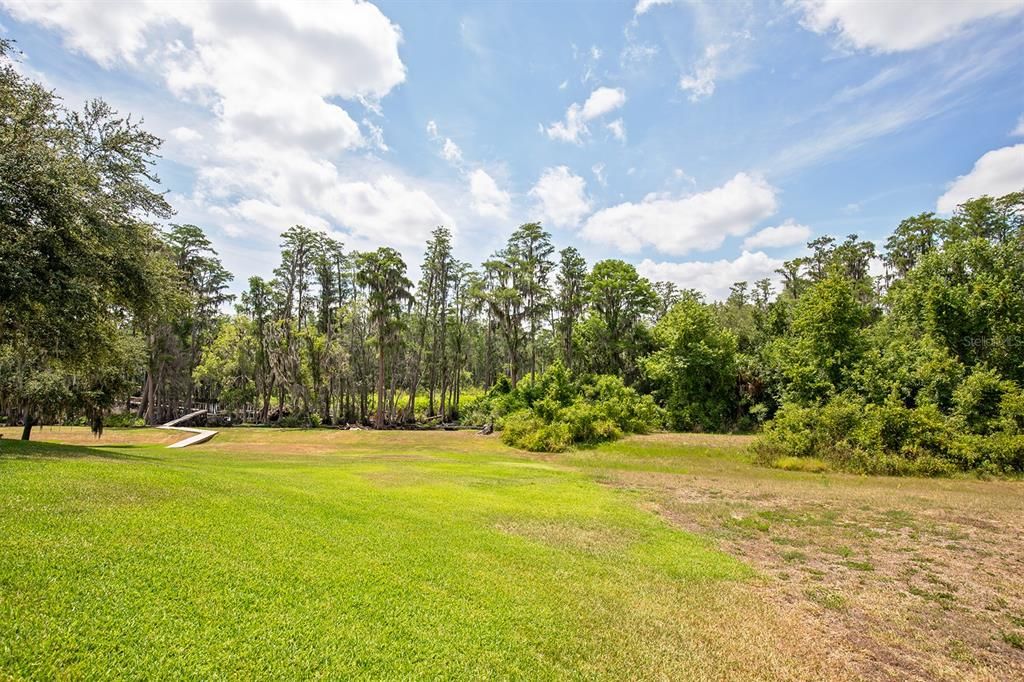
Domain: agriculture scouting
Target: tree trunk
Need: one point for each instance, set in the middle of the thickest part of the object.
(379, 420)
(151, 400)
(533, 346)
(26, 431)
(144, 401)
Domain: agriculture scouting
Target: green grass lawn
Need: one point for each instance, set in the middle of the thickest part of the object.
(295, 554)
(287, 554)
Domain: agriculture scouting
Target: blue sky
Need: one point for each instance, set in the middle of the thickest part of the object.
(704, 142)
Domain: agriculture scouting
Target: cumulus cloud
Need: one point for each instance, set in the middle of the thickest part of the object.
(713, 278)
(487, 198)
(701, 82)
(617, 129)
(451, 152)
(277, 80)
(573, 128)
(267, 70)
(1019, 130)
(266, 216)
(786, 234)
(699, 221)
(899, 26)
(385, 210)
(561, 197)
(185, 134)
(996, 173)
(643, 6)
(603, 100)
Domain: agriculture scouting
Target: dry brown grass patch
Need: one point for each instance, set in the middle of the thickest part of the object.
(904, 578)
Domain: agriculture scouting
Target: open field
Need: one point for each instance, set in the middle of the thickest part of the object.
(283, 553)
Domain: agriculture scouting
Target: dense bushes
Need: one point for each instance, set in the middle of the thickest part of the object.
(558, 411)
(694, 369)
(925, 379)
(984, 431)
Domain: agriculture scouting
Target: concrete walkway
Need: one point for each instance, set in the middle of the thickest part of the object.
(200, 435)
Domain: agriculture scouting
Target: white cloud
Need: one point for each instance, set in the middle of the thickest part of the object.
(184, 134)
(683, 176)
(636, 54)
(644, 5)
(701, 83)
(601, 101)
(561, 196)
(273, 189)
(450, 151)
(598, 170)
(234, 55)
(595, 52)
(1019, 130)
(269, 217)
(563, 85)
(385, 211)
(713, 278)
(700, 221)
(998, 172)
(844, 125)
(883, 78)
(899, 26)
(488, 200)
(571, 128)
(375, 134)
(275, 79)
(786, 234)
(618, 129)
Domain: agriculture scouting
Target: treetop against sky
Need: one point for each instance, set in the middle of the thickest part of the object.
(704, 142)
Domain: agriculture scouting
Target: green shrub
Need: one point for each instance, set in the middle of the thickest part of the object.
(983, 434)
(125, 420)
(524, 429)
(556, 411)
(978, 400)
(298, 421)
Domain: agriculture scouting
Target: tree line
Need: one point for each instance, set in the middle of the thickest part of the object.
(107, 307)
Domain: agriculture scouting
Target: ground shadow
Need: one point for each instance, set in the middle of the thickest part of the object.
(20, 449)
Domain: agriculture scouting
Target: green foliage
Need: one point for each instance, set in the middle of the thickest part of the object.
(891, 438)
(79, 259)
(918, 369)
(613, 337)
(124, 420)
(825, 341)
(228, 364)
(558, 411)
(978, 401)
(291, 421)
(932, 388)
(694, 370)
(527, 430)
